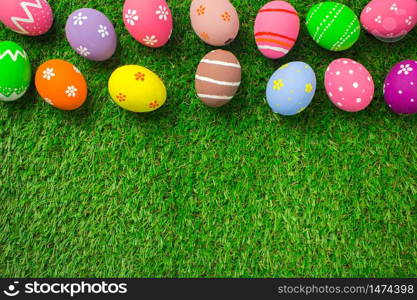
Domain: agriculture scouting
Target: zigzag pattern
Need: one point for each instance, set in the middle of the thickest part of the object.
(13, 56)
(25, 6)
(12, 97)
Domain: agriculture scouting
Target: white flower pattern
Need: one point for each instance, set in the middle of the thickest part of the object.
(79, 19)
(83, 51)
(409, 20)
(48, 73)
(162, 12)
(378, 19)
(150, 40)
(76, 69)
(131, 17)
(71, 91)
(405, 69)
(49, 101)
(102, 30)
(394, 7)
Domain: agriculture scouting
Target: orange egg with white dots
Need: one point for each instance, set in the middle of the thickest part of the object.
(61, 84)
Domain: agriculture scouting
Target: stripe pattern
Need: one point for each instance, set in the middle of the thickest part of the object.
(218, 78)
(29, 17)
(333, 26)
(218, 82)
(276, 29)
(220, 63)
(352, 29)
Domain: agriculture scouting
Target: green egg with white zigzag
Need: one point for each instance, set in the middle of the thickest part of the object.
(333, 26)
(15, 71)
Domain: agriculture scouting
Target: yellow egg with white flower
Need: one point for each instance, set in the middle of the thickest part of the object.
(137, 89)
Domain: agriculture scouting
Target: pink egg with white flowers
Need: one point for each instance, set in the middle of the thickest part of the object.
(148, 21)
(27, 17)
(349, 85)
(389, 20)
(277, 26)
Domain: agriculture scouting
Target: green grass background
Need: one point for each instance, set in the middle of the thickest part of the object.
(190, 191)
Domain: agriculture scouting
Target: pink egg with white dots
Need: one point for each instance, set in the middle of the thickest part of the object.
(27, 17)
(148, 21)
(349, 85)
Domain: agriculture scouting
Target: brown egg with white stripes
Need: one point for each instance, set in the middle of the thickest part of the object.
(218, 78)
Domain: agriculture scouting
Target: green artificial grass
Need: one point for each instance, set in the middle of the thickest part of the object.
(188, 191)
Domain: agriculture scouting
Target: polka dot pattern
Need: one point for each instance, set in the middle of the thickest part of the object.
(400, 88)
(349, 85)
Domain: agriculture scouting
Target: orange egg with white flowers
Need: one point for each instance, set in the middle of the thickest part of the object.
(61, 84)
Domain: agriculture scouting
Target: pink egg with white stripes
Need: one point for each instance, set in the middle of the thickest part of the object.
(277, 26)
(349, 85)
(27, 17)
(148, 21)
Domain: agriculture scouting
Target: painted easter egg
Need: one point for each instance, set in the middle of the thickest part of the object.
(333, 26)
(61, 84)
(276, 29)
(291, 88)
(148, 21)
(27, 17)
(137, 89)
(400, 88)
(218, 78)
(15, 71)
(349, 85)
(216, 22)
(91, 34)
(389, 20)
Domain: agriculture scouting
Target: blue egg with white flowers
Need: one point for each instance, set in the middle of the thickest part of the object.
(291, 88)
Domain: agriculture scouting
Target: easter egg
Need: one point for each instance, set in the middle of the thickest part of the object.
(27, 17)
(216, 22)
(333, 26)
(218, 78)
(389, 20)
(61, 84)
(148, 21)
(400, 88)
(291, 88)
(276, 29)
(15, 72)
(137, 89)
(349, 85)
(91, 34)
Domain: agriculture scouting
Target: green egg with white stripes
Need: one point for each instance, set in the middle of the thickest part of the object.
(333, 26)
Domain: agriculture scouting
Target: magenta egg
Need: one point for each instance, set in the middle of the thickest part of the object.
(148, 21)
(400, 88)
(27, 17)
(91, 34)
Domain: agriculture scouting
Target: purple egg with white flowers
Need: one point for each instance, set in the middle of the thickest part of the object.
(400, 88)
(91, 34)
